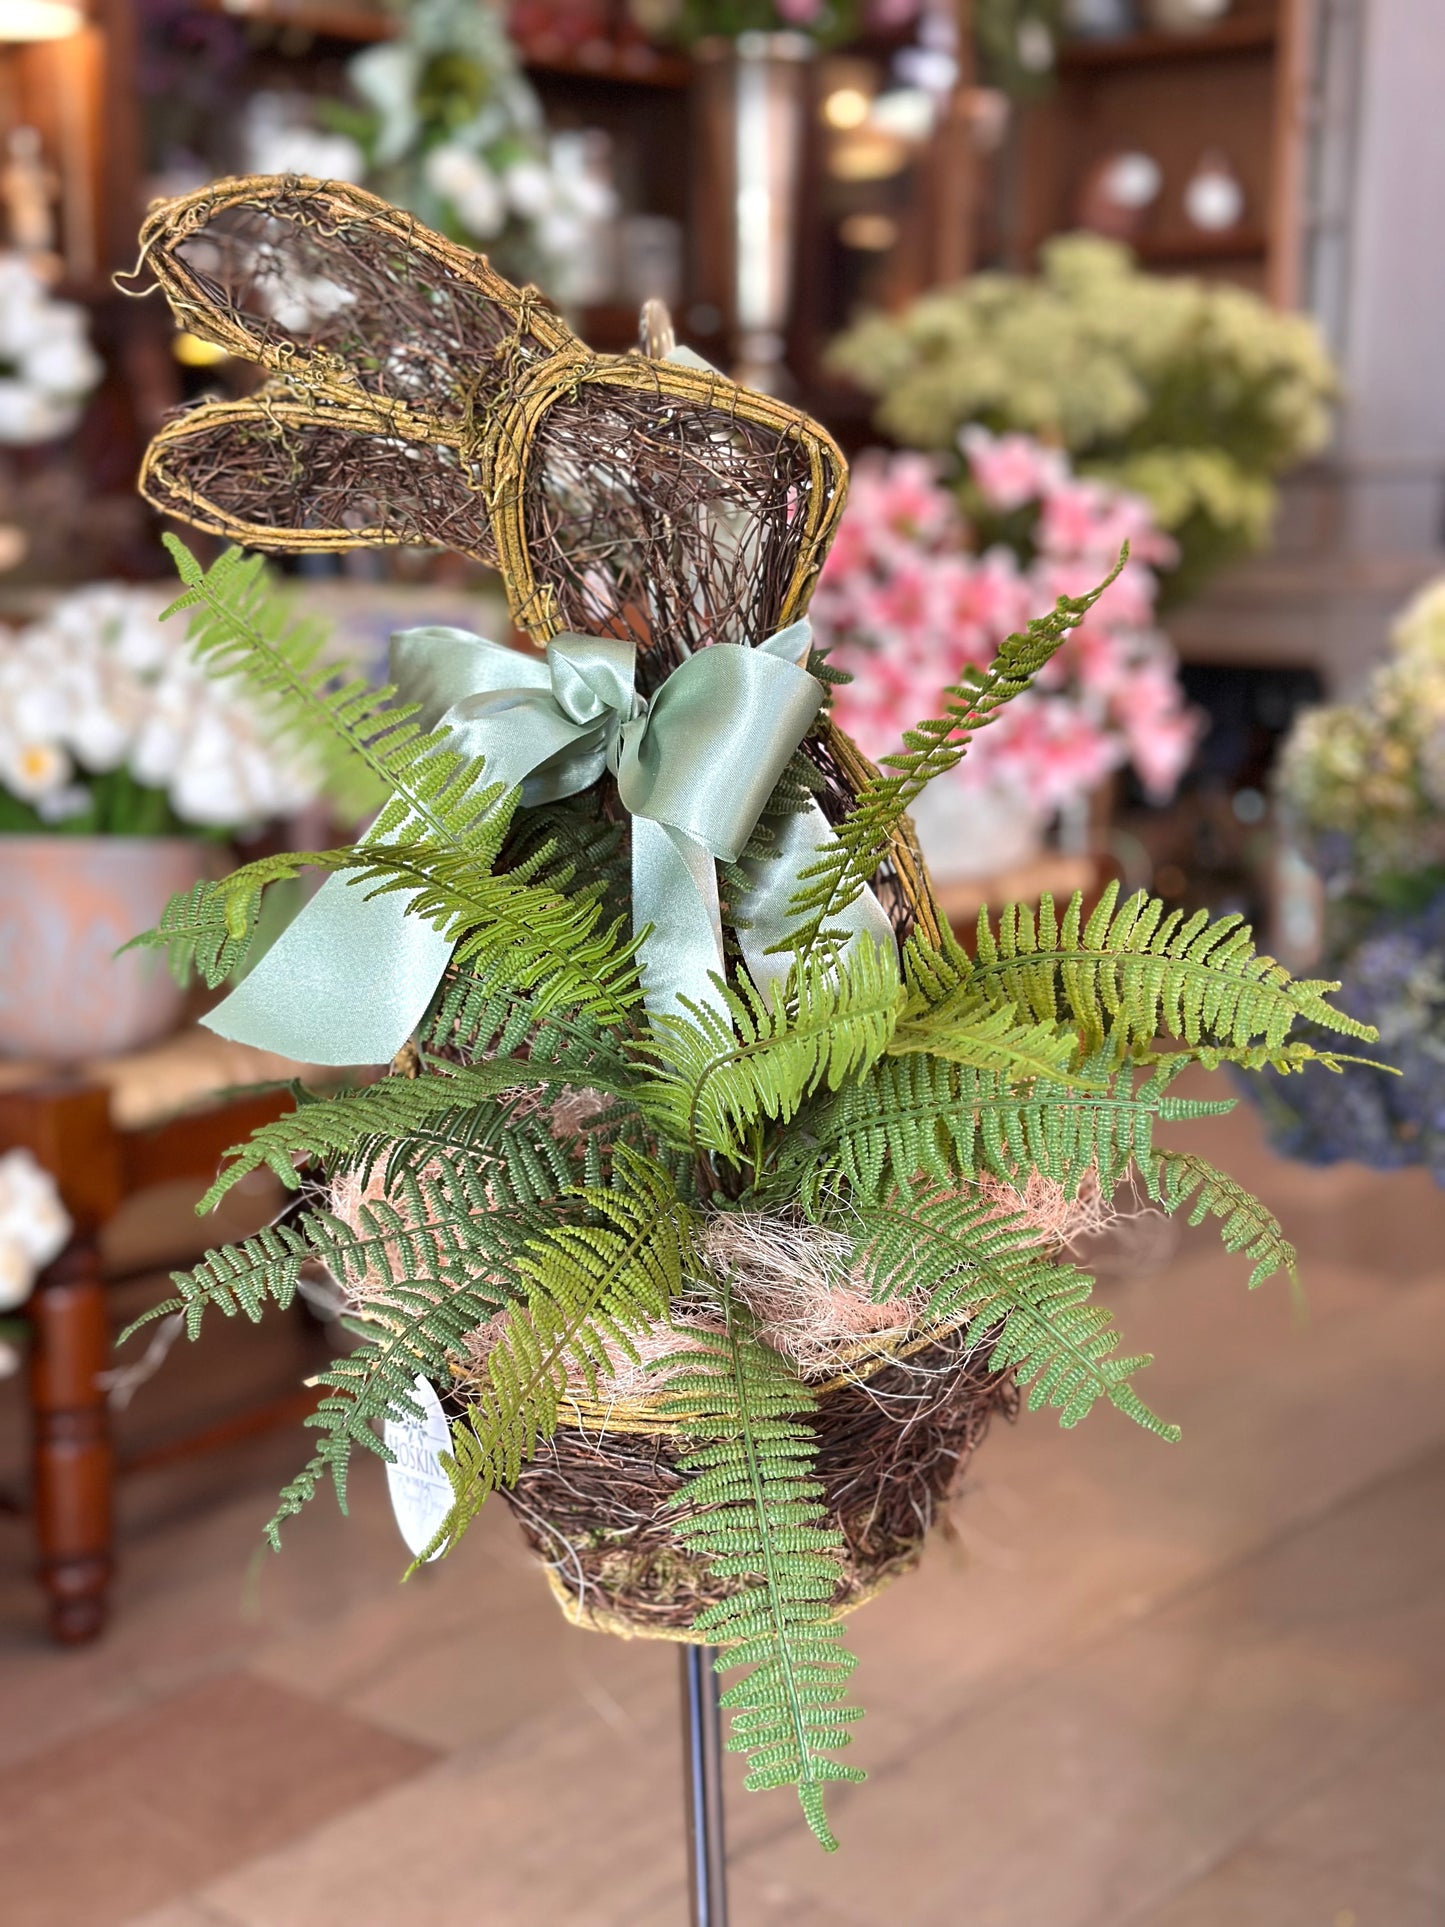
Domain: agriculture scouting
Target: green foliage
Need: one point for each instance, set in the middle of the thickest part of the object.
(1135, 969)
(754, 1507)
(716, 1081)
(505, 1248)
(1246, 1224)
(589, 1290)
(356, 1128)
(428, 1263)
(950, 1123)
(241, 628)
(989, 1268)
(931, 749)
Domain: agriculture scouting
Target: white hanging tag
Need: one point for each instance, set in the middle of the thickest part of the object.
(421, 1492)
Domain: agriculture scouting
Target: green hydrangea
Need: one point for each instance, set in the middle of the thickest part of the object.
(1195, 394)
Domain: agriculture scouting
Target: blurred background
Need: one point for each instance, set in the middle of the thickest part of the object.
(1058, 275)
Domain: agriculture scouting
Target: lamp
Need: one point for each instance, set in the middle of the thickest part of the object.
(39, 19)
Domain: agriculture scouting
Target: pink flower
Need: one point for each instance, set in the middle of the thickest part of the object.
(1011, 469)
(799, 13)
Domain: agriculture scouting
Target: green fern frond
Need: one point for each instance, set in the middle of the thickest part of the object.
(427, 1264)
(242, 628)
(589, 1290)
(1247, 1225)
(1135, 969)
(716, 1080)
(555, 946)
(1058, 1343)
(966, 1030)
(931, 749)
(451, 1107)
(295, 648)
(753, 1506)
(922, 1116)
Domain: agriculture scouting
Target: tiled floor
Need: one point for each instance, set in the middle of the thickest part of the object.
(1142, 1686)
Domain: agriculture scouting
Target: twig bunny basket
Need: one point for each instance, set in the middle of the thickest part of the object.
(715, 1188)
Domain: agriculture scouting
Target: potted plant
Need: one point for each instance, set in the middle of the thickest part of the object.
(122, 767)
(707, 1151)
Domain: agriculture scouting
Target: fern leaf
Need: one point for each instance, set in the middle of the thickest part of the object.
(1135, 969)
(1059, 1344)
(1247, 1225)
(589, 1290)
(715, 1079)
(360, 1125)
(754, 1508)
(241, 628)
(922, 1116)
(931, 749)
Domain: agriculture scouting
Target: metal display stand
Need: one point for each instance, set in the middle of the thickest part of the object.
(702, 1748)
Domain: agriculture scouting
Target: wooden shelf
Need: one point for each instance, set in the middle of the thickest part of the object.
(1234, 244)
(358, 24)
(1247, 35)
(631, 64)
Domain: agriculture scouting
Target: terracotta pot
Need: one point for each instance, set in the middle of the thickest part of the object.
(66, 905)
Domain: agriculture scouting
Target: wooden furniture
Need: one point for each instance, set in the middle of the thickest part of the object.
(1237, 88)
(70, 1128)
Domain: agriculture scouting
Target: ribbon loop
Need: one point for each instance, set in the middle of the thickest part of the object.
(352, 976)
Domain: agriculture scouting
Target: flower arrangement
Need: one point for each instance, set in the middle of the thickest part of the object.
(47, 365)
(1365, 781)
(450, 128)
(1190, 393)
(1361, 787)
(108, 727)
(914, 596)
(706, 1149)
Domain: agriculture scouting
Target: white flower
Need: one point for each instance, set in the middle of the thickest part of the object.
(34, 1225)
(28, 415)
(31, 770)
(463, 178)
(531, 188)
(52, 366)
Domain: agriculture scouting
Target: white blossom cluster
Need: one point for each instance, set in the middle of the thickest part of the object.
(47, 365)
(34, 1226)
(100, 684)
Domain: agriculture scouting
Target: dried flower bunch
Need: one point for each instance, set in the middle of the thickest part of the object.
(722, 1234)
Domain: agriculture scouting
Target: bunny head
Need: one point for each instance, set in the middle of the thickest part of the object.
(414, 396)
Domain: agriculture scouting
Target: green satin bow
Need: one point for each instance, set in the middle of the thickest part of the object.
(348, 981)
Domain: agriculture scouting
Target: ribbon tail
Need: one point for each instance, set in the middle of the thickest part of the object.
(346, 982)
(801, 836)
(674, 888)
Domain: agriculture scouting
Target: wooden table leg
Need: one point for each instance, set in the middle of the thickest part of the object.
(74, 1468)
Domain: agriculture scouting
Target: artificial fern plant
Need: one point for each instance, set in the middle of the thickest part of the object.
(869, 1095)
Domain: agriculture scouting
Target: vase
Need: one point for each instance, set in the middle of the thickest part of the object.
(67, 903)
(755, 92)
(966, 832)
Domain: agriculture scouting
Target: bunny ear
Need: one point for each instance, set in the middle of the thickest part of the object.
(344, 294)
(659, 500)
(275, 473)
